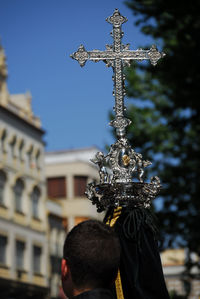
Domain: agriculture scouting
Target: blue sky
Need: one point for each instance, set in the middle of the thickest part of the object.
(38, 37)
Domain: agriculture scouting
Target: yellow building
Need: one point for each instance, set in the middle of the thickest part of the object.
(23, 221)
(67, 173)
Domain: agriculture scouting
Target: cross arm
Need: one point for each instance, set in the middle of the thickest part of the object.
(81, 55)
(153, 55)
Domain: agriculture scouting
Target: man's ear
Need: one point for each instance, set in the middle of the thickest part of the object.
(64, 268)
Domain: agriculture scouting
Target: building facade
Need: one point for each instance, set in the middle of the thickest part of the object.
(67, 173)
(23, 221)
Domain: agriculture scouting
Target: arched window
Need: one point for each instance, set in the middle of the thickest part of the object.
(2, 186)
(21, 149)
(13, 143)
(35, 196)
(37, 159)
(30, 155)
(18, 192)
(3, 140)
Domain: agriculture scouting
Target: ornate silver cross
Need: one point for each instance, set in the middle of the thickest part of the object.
(118, 56)
(116, 170)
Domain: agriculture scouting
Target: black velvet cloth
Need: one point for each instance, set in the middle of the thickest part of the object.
(140, 266)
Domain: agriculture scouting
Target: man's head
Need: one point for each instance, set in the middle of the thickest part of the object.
(90, 257)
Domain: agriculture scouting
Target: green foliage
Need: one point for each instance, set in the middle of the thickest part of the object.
(166, 122)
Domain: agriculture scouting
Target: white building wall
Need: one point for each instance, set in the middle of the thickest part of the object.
(17, 165)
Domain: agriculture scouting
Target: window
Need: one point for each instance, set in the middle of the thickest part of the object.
(3, 141)
(3, 245)
(35, 202)
(20, 248)
(30, 155)
(80, 183)
(13, 143)
(2, 186)
(56, 187)
(37, 159)
(18, 191)
(55, 264)
(37, 251)
(21, 148)
(53, 234)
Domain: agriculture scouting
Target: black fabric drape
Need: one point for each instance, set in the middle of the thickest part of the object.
(140, 266)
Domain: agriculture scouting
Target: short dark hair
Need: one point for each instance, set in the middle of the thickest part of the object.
(92, 251)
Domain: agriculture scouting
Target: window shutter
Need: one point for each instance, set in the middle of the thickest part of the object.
(56, 187)
(80, 183)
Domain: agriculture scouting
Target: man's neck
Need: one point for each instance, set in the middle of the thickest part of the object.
(80, 291)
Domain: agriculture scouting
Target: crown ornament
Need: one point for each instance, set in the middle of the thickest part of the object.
(121, 171)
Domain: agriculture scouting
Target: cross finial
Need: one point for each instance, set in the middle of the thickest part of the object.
(116, 19)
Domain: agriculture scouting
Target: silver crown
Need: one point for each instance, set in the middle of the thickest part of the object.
(116, 172)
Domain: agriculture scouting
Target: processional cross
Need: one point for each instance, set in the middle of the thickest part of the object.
(118, 192)
(126, 196)
(117, 56)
